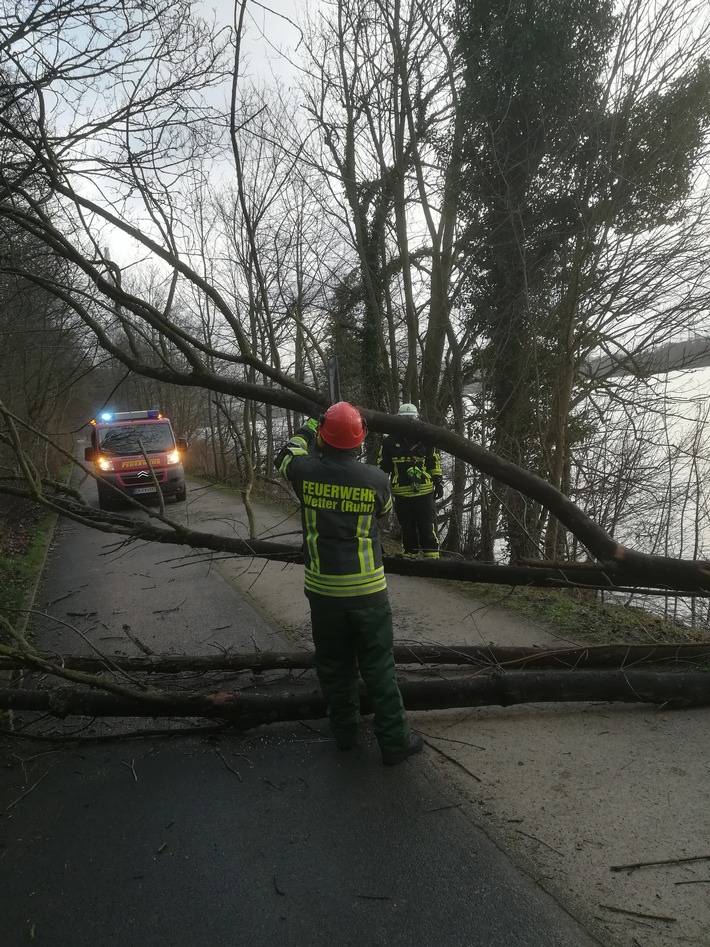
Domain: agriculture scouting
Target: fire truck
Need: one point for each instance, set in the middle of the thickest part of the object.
(138, 453)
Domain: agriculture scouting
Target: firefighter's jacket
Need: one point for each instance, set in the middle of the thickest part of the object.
(341, 501)
(413, 467)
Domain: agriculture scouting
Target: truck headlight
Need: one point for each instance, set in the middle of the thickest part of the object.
(173, 457)
(105, 464)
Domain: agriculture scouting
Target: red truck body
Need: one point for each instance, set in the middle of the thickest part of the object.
(135, 454)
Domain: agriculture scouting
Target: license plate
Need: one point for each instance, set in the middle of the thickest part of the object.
(143, 490)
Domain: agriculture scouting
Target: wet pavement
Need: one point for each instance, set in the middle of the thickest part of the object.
(272, 837)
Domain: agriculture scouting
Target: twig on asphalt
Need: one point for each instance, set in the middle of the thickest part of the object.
(126, 629)
(663, 861)
(62, 597)
(164, 611)
(230, 768)
(540, 841)
(650, 917)
(451, 759)
(474, 746)
(455, 805)
(20, 798)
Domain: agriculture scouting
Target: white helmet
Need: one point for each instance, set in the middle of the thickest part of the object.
(408, 411)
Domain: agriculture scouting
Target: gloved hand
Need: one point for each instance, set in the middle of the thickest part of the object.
(438, 490)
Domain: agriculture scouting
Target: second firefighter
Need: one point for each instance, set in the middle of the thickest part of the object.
(414, 470)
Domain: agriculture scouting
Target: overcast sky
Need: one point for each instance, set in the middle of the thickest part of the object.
(270, 36)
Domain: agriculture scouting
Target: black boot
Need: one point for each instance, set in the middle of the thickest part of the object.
(414, 745)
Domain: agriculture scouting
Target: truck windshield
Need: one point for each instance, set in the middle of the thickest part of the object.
(124, 440)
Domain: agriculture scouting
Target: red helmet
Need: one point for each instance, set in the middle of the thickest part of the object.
(342, 426)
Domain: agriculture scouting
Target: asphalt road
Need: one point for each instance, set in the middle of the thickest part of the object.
(270, 838)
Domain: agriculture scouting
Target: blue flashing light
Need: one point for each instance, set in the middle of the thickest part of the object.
(150, 414)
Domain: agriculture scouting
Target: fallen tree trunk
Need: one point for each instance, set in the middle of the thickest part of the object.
(250, 709)
(637, 575)
(618, 569)
(598, 656)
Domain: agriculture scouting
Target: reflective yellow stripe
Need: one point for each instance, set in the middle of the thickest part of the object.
(291, 453)
(364, 544)
(350, 580)
(430, 466)
(311, 521)
(345, 586)
(411, 492)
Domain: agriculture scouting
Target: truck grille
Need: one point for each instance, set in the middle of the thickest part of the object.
(141, 478)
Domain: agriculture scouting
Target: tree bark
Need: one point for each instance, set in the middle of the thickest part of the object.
(612, 656)
(247, 710)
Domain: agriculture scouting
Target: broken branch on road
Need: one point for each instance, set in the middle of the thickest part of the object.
(271, 703)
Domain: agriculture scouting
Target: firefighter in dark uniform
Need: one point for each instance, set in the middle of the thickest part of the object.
(415, 472)
(341, 501)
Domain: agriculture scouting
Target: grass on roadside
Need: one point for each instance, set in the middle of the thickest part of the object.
(20, 570)
(577, 614)
(584, 617)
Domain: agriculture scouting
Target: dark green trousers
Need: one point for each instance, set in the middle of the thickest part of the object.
(352, 640)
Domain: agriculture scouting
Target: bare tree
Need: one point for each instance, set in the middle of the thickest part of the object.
(382, 101)
(135, 167)
(589, 219)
